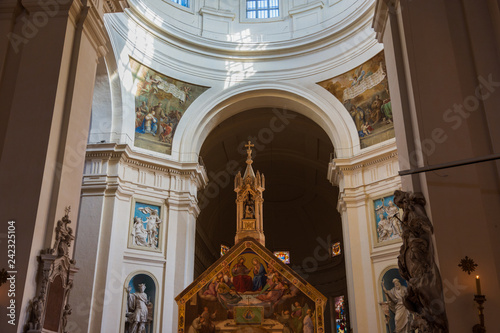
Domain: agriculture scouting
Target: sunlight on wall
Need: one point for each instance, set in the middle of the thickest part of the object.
(138, 39)
(238, 71)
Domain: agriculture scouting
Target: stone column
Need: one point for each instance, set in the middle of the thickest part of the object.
(46, 92)
(442, 60)
(179, 270)
(115, 178)
(362, 179)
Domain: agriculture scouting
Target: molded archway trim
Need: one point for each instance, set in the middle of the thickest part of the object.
(315, 103)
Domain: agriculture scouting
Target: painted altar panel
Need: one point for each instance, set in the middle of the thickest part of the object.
(160, 103)
(364, 92)
(249, 290)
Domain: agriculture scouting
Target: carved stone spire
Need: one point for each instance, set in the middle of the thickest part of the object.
(249, 200)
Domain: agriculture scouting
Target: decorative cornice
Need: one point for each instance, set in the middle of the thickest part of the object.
(114, 6)
(306, 8)
(126, 155)
(94, 28)
(220, 13)
(339, 166)
(382, 10)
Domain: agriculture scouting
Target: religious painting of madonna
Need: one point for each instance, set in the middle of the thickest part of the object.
(364, 92)
(160, 102)
(250, 290)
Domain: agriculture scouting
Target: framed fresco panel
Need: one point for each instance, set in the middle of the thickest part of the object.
(147, 226)
(387, 224)
(364, 92)
(160, 103)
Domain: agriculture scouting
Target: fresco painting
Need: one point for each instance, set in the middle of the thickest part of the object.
(364, 92)
(160, 103)
(250, 289)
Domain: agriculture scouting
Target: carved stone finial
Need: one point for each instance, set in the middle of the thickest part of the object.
(418, 267)
(249, 146)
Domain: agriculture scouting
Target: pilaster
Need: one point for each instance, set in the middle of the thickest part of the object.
(361, 180)
(115, 179)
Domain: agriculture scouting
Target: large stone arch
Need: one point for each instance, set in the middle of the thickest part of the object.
(314, 103)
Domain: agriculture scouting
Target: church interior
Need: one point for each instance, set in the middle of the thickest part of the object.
(295, 166)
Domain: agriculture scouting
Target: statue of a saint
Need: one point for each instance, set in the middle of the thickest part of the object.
(249, 212)
(137, 312)
(395, 297)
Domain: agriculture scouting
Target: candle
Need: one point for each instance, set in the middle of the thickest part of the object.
(478, 285)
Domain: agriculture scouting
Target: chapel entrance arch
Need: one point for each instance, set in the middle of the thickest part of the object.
(300, 212)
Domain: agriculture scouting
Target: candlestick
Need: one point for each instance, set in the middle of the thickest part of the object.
(478, 285)
(479, 299)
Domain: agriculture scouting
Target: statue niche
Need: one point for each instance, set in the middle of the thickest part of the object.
(249, 207)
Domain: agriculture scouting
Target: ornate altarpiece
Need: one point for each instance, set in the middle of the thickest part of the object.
(249, 289)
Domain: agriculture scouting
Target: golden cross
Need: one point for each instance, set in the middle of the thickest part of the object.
(249, 145)
(249, 152)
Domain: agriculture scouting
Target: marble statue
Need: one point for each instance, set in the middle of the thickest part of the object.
(137, 309)
(384, 228)
(417, 265)
(393, 215)
(139, 233)
(395, 298)
(152, 225)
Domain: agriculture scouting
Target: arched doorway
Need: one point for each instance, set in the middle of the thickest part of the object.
(300, 212)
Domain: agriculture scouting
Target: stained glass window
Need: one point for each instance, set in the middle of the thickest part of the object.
(223, 249)
(340, 315)
(262, 9)
(184, 3)
(336, 250)
(283, 256)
